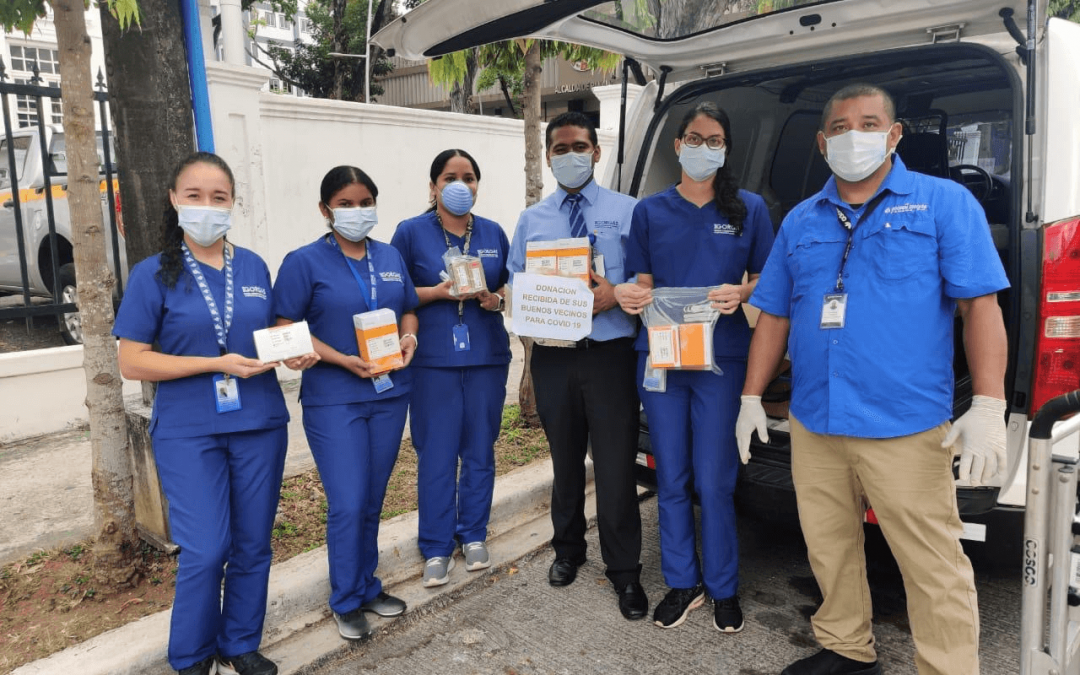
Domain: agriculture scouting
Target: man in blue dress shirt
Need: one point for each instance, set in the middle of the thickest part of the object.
(586, 390)
(862, 287)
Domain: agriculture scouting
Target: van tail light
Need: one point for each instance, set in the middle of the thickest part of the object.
(1057, 351)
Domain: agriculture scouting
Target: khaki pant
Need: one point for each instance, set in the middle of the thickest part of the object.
(908, 482)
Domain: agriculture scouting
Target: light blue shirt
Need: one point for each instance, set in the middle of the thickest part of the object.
(608, 216)
(889, 371)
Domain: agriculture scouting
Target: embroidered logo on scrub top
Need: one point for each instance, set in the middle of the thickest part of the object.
(605, 224)
(390, 276)
(254, 292)
(724, 228)
(487, 252)
(906, 208)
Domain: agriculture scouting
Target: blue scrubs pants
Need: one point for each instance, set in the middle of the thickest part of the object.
(223, 492)
(692, 430)
(456, 414)
(355, 446)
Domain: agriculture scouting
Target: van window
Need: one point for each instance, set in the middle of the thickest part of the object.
(983, 140)
(798, 169)
(58, 155)
(22, 147)
(669, 21)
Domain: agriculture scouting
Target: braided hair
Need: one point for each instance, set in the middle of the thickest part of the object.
(725, 187)
(172, 258)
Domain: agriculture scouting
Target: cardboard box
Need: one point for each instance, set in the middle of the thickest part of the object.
(575, 258)
(695, 346)
(467, 273)
(541, 257)
(664, 346)
(283, 342)
(377, 337)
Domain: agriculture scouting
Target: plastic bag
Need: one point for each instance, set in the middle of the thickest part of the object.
(680, 324)
(465, 271)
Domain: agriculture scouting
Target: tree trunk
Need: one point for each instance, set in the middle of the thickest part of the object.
(150, 106)
(340, 40)
(534, 187)
(114, 512)
(461, 96)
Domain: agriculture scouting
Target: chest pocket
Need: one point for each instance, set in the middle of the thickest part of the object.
(900, 249)
(816, 256)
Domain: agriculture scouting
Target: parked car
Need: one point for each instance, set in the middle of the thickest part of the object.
(977, 108)
(32, 166)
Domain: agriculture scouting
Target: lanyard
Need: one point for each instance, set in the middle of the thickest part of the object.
(850, 227)
(221, 328)
(374, 304)
(468, 238)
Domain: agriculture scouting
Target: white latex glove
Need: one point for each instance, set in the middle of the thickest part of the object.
(979, 436)
(751, 417)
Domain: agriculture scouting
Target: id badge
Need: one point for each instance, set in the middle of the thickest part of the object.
(461, 338)
(226, 393)
(382, 383)
(598, 264)
(655, 379)
(833, 310)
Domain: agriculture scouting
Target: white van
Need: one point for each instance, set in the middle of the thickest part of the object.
(989, 94)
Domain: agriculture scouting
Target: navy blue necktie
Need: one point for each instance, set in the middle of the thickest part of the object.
(577, 218)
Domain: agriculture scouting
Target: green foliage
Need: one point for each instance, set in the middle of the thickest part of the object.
(21, 14)
(1065, 9)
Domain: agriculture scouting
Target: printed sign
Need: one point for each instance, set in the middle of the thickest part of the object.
(553, 307)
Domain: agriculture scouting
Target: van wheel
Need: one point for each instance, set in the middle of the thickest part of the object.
(70, 323)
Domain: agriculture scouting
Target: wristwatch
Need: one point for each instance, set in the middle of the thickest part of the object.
(502, 304)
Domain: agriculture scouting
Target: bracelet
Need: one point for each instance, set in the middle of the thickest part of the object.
(416, 343)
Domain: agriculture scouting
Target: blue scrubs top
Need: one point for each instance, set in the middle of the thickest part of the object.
(683, 245)
(421, 243)
(178, 319)
(889, 371)
(315, 284)
(607, 217)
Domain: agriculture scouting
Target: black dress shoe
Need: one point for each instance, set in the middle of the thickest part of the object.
(633, 603)
(827, 662)
(563, 572)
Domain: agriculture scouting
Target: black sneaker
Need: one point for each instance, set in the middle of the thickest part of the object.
(727, 615)
(207, 666)
(673, 609)
(828, 662)
(353, 625)
(252, 663)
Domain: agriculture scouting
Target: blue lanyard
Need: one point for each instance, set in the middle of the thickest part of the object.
(374, 304)
(221, 329)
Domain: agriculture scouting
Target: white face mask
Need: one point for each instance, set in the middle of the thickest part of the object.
(354, 223)
(854, 155)
(572, 169)
(204, 224)
(701, 162)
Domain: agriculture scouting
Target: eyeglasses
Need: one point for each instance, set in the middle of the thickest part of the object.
(695, 141)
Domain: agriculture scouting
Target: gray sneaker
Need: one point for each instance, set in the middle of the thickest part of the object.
(437, 570)
(476, 556)
(353, 625)
(384, 604)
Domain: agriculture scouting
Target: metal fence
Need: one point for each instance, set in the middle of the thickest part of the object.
(42, 256)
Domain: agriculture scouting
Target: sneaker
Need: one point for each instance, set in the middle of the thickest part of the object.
(385, 604)
(352, 625)
(207, 666)
(673, 609)
(727, 615)
(437, 570)
(828, 662)
(252, 663)
(476, 556)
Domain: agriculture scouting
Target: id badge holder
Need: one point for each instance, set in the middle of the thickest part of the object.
(833, 310)
(655, 379)
(382, 383)
(461, 338)
(226, 393)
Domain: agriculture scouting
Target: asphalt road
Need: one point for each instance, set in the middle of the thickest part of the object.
(516, 624)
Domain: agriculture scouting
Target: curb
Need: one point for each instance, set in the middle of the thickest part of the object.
(300, 586)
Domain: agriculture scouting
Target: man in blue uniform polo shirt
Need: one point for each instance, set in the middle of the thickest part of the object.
(586, 390)
(861, 288)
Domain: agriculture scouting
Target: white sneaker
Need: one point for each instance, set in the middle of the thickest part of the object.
(476, 556)
(437, 570)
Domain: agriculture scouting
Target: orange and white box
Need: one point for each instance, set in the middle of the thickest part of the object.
(664, 346)
(575, 258)
(476, 273)
(695, 346)
(377, 337)
(541, 257)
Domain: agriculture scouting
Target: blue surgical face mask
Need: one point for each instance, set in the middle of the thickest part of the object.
(457, 198)
(572, 169)
(204, 224)
(701, 162)
(354, 223)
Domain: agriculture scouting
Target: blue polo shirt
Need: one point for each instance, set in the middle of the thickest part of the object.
(421, 243)
(889, 371)
(683, 245)
(179, 321)
(607, 215)
(316, 285)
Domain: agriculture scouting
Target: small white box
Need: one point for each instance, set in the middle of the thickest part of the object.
(283, 342)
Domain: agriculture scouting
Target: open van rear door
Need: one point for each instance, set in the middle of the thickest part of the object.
(1061, 183)
(697, 37)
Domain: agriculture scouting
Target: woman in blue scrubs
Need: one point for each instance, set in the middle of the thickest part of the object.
(353, 420)
(704, 231)
(218, 424)
(459, 384)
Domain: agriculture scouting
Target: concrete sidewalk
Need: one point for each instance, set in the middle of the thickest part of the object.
(46, 498)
